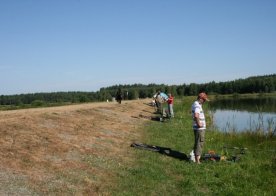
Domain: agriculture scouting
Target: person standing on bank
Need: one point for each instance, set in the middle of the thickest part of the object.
(199, 125)
(170, 105)
(119, 96)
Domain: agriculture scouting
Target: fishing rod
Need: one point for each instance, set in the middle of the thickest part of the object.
(244, 149)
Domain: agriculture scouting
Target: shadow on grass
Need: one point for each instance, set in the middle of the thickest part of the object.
(153, 118)
(162, 150)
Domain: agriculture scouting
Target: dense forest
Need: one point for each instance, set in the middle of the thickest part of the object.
(256, 84)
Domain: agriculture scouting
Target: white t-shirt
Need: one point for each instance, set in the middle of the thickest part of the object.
(197, 108)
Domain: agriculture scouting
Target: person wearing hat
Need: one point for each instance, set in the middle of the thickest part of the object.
(199, 125)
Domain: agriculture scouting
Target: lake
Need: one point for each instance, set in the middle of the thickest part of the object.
(244, 114)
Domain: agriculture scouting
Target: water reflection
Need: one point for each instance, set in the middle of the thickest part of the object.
(263, 104)
(257, 114)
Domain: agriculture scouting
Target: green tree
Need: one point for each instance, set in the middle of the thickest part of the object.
(133, 94)
(38, 103)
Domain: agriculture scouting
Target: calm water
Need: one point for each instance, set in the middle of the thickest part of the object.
(252, 114)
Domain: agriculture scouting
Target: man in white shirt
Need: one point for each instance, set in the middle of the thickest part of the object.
(199, 125)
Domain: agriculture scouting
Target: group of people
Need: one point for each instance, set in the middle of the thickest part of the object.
(199, 122)
(159, 100)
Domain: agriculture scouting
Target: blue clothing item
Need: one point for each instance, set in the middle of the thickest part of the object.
(164, 96)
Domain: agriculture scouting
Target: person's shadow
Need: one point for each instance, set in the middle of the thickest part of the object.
(162, 150)
(153, 118)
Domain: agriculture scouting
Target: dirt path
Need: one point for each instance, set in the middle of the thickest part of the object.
(67, 149)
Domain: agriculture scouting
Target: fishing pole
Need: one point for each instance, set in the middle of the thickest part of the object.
(244, 149)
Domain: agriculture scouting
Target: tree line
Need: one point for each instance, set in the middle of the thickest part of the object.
(255, 84)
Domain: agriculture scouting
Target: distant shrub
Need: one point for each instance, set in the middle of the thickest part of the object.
(38, 103)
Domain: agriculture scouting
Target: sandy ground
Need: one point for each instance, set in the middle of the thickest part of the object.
(67, 149)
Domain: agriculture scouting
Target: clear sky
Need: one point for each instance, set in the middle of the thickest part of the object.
(83, 45)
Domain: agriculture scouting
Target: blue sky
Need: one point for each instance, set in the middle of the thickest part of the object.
(83, 45)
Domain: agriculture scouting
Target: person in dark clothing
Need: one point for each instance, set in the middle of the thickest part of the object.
(119, 96)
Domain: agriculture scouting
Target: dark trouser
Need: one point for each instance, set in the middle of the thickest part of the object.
(199, 141)
(159, 107)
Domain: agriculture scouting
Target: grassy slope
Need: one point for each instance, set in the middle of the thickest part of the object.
(156, 174)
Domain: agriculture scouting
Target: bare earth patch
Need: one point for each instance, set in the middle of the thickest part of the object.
(68, 149)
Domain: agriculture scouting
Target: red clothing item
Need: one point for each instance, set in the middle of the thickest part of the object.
(170, 100)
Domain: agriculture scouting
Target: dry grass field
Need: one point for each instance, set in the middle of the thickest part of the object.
(68, 149)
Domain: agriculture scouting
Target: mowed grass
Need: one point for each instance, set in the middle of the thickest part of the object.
(153, 173)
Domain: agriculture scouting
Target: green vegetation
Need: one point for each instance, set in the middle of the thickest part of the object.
(257, 84)
(153, 173)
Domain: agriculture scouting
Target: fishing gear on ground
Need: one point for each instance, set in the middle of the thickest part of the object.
(234, 156)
